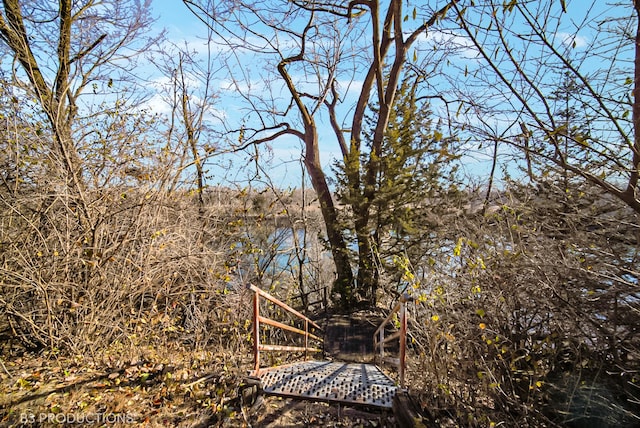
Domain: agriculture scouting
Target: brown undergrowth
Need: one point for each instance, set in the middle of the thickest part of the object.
(170, 385)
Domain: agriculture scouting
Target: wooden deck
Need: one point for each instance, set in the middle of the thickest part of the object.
(354, 383)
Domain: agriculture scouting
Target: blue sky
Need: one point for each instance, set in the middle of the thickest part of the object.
(285, 170)
(182, 25)
(177, 19)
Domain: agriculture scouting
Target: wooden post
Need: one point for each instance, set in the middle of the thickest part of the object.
(325, 301)
(379, 340)
(256, 332)
(403, 340)
(306, 339)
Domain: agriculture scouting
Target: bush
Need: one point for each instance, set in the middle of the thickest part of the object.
(528, 317)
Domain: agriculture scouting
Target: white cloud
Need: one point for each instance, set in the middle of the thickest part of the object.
(157, 104)
(572, 40)
(457, 44)
(242, 86)
(350, 87)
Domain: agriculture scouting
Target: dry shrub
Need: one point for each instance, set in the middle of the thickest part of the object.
(146, 268)
(136, 267)
(529, 318)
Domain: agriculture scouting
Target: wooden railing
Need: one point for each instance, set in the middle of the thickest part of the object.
(379, 341)
(259, 319)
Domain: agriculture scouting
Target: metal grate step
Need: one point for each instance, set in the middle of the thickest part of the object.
(332, 381)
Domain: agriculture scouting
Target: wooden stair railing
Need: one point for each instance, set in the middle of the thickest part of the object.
(379, 340)
(259, 319)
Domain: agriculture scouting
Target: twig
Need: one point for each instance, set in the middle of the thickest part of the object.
(202, 379)
(5, 369)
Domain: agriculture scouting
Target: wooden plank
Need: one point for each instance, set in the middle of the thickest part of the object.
(274, 323)
(390, 360)
(283, 305)
(388, 339)
(287, 348)
(406, 413)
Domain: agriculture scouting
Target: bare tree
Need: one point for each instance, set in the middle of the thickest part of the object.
(314, 56)
(77, 144)
(62, 49)
(564, 79)
(190, 97)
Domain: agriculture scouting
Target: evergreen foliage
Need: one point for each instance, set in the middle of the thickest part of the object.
(415, 168)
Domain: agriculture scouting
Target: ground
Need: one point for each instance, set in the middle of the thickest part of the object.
(171, 385)
(161, 387)
(168, 386)
(281, 412)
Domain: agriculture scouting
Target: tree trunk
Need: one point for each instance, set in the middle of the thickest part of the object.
(630, 195)
(343, 285)
(367, 279)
